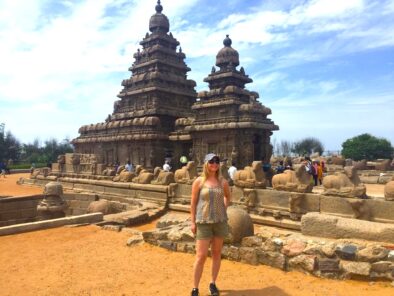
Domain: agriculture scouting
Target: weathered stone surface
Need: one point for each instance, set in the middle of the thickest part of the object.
(355, 268)
(248, 255)
(389, 191)
(116, 228)
(252, 241)
(240, 224)
(328, 265)
(230, 252)
(329, 249)
(316, 224)
(390, 256)
(273, 245)
(346, 252)
(372, 254)
(167, 245)
(293, 247)
(135, 240)
(381, 266)
(273, 259)
(305, 262)
(170, 219)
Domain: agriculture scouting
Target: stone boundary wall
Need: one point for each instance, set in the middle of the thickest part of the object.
(25, 227)
(266, 206)
(340, 259)
(20, 209)
(375, 177)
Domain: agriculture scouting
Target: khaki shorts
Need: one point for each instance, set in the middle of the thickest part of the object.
(209, 230)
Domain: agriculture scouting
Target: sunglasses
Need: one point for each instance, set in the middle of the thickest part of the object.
(214, 160)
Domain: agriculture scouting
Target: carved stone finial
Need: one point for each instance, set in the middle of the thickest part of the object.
(242, 70)
(213, 70)
(227, 41)
(180, 49)
(158, 7)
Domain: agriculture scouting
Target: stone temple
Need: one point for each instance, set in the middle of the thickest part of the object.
(159, 115)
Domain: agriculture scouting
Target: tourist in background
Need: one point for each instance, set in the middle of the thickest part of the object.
(209, 201)
(315, 167)
(166, 166)
(320, 172)
(280, 168)
(2, 169)
(183, 160)
(129, 167)
(231, 171)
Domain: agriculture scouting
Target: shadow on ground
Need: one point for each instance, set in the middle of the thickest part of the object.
(268, 291)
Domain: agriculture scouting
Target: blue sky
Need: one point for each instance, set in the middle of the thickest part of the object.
(324, 67)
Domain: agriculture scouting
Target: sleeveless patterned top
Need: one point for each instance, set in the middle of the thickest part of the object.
(210, 205)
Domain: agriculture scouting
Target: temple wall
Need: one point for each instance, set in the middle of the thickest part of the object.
(266, 206)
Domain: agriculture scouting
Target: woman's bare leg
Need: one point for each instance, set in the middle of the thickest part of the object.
(201, 255)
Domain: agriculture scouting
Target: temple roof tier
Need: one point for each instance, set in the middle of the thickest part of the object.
(184, 92)
(235, 125)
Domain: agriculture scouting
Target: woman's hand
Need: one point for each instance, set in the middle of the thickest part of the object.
(194, 227)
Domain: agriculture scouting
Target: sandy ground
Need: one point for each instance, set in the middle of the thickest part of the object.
(90, 261)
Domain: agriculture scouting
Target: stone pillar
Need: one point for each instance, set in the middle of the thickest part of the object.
(52, 206)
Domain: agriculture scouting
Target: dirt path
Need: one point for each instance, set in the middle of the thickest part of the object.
(90, 261)
(8, 186)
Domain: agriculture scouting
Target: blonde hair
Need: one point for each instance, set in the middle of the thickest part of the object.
(205, 173)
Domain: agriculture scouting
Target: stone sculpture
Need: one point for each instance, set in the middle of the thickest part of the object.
(389, 190)
(162, 177)
(344, 184)
(52, 206)
(143, 176)
(224, 173)
(240, 224)
(251, 176)
(104, 206)
(124, 176)
(296, 181)
(187, 174)
(360, 208)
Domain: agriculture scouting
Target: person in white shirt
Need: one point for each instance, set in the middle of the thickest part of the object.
(232, 170)
(166, 166)
(129, 167)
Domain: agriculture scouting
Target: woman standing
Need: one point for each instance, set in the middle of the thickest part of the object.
(209, 201)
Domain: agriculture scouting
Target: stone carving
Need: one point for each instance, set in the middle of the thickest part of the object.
(360, 209)
(143, 176)
(162, 177)
(360, 165)
(106, 207)
(40, 173)
(109, 172)
(344, 184)
(250, 197)
(240, 224)
(52, 206)
(124, 176)
(297, 181)
(251, 176)
(224, 173)
(383, 165)
(187, 174)
(61, 160)
(389, 190)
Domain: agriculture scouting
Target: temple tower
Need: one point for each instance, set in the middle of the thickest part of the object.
(229, 120)
(152, 99)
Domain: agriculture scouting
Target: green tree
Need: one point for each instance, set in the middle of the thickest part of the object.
(367, 147)
(9, 146)
(308, 146)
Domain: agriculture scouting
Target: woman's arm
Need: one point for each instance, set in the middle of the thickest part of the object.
(227, 193)
(193, 202)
